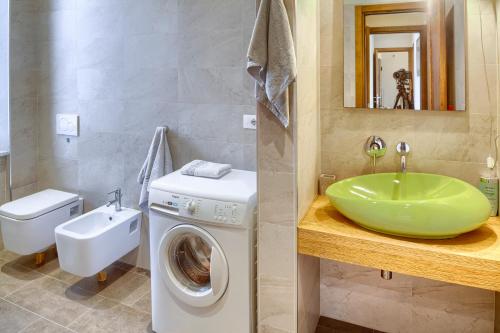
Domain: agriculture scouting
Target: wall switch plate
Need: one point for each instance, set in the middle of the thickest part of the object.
(250, 121)
(67, 124)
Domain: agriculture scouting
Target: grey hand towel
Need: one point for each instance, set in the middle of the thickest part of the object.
(199, 168)
(157, 164)
(271, 58)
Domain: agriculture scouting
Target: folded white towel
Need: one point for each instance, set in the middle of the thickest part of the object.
(157, 164)
(199, 168)
(271, 58)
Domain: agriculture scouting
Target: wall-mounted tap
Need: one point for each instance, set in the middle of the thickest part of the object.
(117, 200)
(403, 150)
(375, 147)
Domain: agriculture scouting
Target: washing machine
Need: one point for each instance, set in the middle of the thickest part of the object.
(202, 242)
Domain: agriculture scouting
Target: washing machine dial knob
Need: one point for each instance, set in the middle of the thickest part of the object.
(191, 206)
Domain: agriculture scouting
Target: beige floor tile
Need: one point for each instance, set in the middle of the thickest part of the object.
(123, 266)
(143, 271)
(28, 261)
(144, 303)
(54, 300)
(51, 266)
(45, 326)
(91, 284)
(13, 318)
(127, 267)
(52, 269)
(13, 277)
(122, 304)
(7, 255)
(110, 316)
(126, 287)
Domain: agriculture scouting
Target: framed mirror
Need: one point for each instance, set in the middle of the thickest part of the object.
(405, 55)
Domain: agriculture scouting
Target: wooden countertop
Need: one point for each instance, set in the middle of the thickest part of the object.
(471, 259)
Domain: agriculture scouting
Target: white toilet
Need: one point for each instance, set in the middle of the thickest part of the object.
(28, 223)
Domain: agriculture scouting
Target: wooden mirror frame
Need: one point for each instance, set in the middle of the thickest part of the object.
(422, 30)
(362, 43)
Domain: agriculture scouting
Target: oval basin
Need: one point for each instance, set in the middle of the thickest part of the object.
(413, 205)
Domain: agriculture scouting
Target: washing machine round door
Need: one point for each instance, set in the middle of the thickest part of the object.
(192, 265)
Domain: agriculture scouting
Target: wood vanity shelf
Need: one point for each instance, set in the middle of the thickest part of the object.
(471, 259)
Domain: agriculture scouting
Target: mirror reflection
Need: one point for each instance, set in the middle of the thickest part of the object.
(404, 55)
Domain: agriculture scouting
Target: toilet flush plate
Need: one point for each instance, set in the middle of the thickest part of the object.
(67, 124)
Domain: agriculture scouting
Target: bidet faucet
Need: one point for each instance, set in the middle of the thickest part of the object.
(117, 200)
(403, 150)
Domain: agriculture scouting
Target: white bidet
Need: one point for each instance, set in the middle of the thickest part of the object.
(88, 244)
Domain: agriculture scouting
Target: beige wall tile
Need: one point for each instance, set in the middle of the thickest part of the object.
(307, 97)
(445, 307)
(454, 144)
(308, 278)
(276, 186)
(277, 308)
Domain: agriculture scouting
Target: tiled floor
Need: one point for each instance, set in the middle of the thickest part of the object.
(328, 325)
(46, 299)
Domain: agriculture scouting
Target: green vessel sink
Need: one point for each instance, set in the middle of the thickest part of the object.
(413, 205)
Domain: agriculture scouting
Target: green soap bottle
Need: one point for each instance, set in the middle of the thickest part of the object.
(488, 185)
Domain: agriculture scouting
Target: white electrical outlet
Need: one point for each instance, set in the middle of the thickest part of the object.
(67, 124)
(250, 121)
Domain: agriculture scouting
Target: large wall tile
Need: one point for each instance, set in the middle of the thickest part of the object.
(101, 167)
(100, 51)
(100, 83)
(56, 5)
(212, 85)
(96, 116)
(151, 51)
(146, 83)
(27, 56)
(152, 16)
(100, 18)
(24, 164)
(142, 116)
(3, 183)
(58, 82)
(23, 83)
(443, 307)
(125, 68)
(58, 173)
(210, 48)
(207, 121)
(56, 25)
(201, 16)
(23, 21)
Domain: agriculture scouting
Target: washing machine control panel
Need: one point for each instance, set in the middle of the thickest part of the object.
(213, 211)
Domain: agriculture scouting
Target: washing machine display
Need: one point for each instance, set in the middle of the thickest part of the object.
(208, 210)
(193, 265)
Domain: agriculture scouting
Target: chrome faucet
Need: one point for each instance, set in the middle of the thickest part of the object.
(117, 200)
(403, 150)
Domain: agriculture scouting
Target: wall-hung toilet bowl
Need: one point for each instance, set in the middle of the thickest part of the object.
(28, 223)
